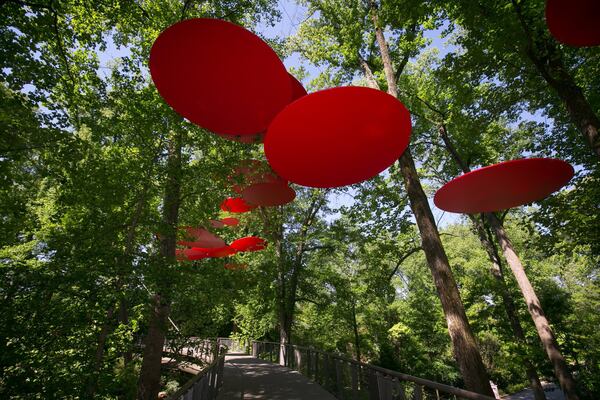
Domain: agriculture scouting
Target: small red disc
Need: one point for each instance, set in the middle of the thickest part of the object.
(337, 137)
(269, 194)
(236, 205)
(574, 22)
(249, 243)
(504, 185)
(222, 223)
(200, 237)
(219, 75)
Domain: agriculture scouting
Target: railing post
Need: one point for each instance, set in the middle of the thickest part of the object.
(338, 379)
(373, 387)
(254, 349)
(354, 374)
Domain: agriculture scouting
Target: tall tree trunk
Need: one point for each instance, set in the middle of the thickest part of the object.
(533, 304)
(90, 390)
(149, 380)
(498, 273)
(464, 344)
(355, 330)
(124, 319)
(288, 286)
(548, 60)
(534, 307)
(509, 305)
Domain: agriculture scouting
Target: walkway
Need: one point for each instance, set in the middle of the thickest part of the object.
(250, 378)
(551, 390)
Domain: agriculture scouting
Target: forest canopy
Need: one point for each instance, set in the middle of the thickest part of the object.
(98, 174)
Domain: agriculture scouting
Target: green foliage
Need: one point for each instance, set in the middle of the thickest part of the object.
(83, 168)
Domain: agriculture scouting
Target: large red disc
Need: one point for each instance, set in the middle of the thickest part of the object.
(269, 194)
(574, 22)
(297, 88)
(337, 137)
(249, 243)
(236, 205)
(219, 76)
(504, 185)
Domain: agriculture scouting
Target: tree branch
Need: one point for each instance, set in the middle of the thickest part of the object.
(403, 258)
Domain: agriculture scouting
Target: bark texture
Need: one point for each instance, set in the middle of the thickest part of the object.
(534, 307)
(465, 348)
(498, 273)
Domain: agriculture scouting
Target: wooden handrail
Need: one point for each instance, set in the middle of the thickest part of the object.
(462, 393)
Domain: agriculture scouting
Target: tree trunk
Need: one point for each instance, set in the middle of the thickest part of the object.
(509, 305)
(91, 387)
(356, 335)
(124, 319)
(534, 307)
(466, 351)
(497, 272)
(464, 344)
(149, 380)
(285, 333)
(548, 60)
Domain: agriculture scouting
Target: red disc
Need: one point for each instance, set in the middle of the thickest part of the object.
(337, 137)
(197, 253)
(230, 221)
(504, 185)
(219, 76)
(269, 194)
(249, 243)
(215, 223)
(236, 205)
(574, 22)
(224, 222)
(297, 88)
(224, 251)
(200, 237)
(193, 254)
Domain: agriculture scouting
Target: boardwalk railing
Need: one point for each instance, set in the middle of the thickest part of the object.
(204, 350)
(206, 384)
(234, 345)
(348, 379)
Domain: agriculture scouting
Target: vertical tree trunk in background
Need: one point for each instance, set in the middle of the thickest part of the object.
(509, 305)
(288, 286)
(90, 390)
(464, 345)
(355, 330)
(534, 307)
(149, 380)
(548, 60)
(494, 257)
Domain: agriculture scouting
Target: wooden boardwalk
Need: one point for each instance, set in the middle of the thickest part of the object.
(250, 378)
